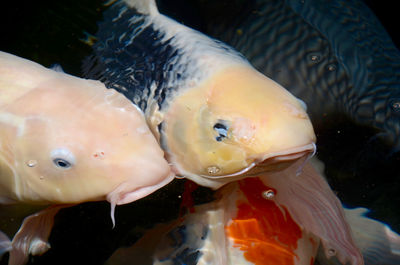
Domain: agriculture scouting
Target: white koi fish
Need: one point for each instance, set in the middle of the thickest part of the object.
(66, 140)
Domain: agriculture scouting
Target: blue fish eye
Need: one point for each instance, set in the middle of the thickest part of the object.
(222, 131)
(62, 158)
(62, 163)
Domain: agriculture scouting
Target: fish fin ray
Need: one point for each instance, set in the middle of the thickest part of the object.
(324, 216)
(375, 239)
(5, 244)
(33, 235)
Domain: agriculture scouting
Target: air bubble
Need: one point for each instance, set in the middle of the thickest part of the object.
(331, 252)
(331, 67)
(395, 105)
(315, 57)
(213, 170)
(268, 194)
(31, 163)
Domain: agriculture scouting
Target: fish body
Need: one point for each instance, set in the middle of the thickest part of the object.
(284, 218)
(217, 118)
(66, 140)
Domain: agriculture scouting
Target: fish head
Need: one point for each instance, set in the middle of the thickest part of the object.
(78, 141)
(237, 123)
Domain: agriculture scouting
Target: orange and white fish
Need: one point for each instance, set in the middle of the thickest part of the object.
(66, 140)
(217, 118)
(282, 218)
(265, 221)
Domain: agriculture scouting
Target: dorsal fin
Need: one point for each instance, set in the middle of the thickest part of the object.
(145, 7)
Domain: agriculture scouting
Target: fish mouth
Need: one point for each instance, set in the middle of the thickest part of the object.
(272, 162)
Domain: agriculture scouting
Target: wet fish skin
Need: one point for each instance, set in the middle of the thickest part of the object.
(194, 92)
(54, 149)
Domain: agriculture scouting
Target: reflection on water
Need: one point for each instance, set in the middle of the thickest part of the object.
(362, 170)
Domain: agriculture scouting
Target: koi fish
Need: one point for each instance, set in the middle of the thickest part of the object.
(284, 218)
(66, 140)
(339, 59)
(216, 117)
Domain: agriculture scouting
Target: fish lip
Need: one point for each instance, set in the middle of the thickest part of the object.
(286, 155)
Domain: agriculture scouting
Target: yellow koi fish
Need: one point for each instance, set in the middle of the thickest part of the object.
(217, 118)
(66, 140)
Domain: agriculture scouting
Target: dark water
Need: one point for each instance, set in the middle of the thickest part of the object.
(52, 32)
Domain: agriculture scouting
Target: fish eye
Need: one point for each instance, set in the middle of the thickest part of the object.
(59, 162)
(62, 158)
(222, 131)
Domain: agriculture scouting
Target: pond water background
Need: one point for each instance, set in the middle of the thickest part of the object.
(51, 32)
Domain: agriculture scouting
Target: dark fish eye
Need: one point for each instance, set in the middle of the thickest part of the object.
(222, 131)
(62, 163)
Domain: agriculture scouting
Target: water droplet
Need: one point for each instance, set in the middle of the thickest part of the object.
(331, 252)
(395, 105)
(268, 194)
(213, 170)
(31, 163)
(331, 67)
(315, 57)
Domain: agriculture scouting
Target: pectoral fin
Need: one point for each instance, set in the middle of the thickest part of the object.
(33, 235)
(5, 244)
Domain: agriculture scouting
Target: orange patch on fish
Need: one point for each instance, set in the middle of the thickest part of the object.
(264, 231)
